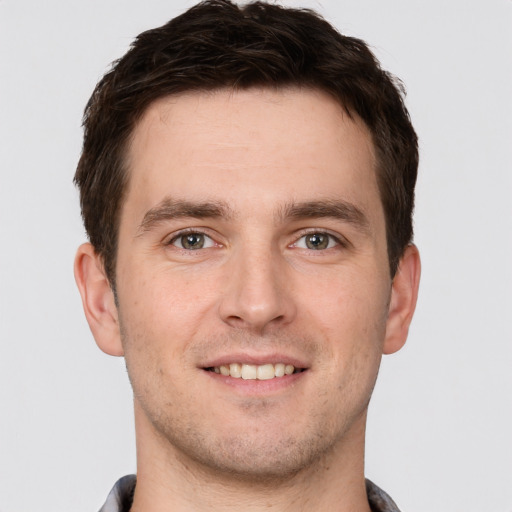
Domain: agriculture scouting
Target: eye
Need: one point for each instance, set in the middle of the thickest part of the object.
(316, 241)
(192, 241)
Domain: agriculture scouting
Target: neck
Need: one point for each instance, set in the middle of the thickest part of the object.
(168, 480)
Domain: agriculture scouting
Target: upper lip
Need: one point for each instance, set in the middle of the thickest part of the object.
(255, 359)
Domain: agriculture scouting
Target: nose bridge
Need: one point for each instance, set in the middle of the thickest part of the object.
(256, 292)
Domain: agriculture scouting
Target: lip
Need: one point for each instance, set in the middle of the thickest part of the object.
(254, 387)
(256, 359)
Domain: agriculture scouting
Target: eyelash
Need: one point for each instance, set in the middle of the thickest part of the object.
(338, 240)
(189, 231)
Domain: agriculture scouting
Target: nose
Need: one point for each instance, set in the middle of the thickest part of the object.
(258, 294)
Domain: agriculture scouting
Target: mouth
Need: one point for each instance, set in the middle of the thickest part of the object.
(265, 371)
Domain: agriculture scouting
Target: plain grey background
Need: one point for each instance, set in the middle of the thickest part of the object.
(440, 423)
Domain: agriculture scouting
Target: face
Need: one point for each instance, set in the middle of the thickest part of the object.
(252, 242)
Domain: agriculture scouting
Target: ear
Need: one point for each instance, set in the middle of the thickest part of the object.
(98, 300)
(404, 293)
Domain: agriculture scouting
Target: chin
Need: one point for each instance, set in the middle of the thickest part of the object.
(265, 455)
(257, 461)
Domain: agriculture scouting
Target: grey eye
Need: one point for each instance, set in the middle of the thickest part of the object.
(316, 241)
(192, 241)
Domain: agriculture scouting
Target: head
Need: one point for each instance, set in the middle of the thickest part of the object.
(216, 45)
(247, 185)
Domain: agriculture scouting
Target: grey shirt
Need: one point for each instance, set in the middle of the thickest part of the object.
(121, 497)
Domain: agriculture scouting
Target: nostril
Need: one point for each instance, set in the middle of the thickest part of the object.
(235, 321)
(256, 304)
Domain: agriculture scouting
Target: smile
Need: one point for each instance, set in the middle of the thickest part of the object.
(255, 372)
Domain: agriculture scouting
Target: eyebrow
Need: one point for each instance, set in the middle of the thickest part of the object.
(328, 208)
(170, 208)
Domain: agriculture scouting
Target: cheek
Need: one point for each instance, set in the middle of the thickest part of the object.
(161, 314)
(346, 302)
(350, 314)
(158, 318)
(166, 299)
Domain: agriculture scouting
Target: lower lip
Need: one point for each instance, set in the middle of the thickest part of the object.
(255, 386)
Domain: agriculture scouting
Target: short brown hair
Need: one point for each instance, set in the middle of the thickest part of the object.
(217, 44)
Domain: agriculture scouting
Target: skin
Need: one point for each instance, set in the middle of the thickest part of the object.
(248, 174)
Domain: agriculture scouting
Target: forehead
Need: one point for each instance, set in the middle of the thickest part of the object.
(261, 144)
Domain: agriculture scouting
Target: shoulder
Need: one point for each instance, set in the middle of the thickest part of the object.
(121, 496)
(379, 500)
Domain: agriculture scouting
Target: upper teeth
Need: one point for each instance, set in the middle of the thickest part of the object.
(252, 371)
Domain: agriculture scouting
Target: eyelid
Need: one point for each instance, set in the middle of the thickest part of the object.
(172, 237)
(337, 237)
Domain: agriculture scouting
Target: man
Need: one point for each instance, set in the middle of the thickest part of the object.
(247, 185)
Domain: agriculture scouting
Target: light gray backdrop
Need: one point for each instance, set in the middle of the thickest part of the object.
(440, 425)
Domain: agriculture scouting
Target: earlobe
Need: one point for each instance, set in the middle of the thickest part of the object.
(404, 295)
(98, 300)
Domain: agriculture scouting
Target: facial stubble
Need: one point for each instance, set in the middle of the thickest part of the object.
(264, 452)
